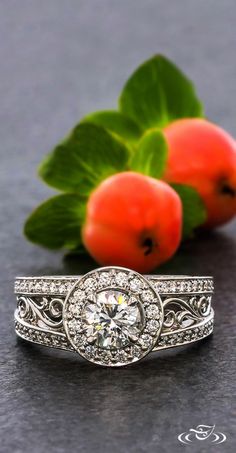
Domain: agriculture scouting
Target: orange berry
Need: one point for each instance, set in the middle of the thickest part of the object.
(203, 155)
(133, 221)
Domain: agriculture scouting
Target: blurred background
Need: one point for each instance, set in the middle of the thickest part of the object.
(61, 59)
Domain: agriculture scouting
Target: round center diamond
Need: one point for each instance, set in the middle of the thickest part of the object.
(113, 320)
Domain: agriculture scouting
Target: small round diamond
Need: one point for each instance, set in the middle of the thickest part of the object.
(31, 287)
(172, 287)
(38, 287)
(147, 295)
(145, 341)
(90, 350)
(53, 287)
(152, 326)
(136, 351)
(189, 286)
(152, 311)
(194, 285)
(120, 356)
(163, 287)
(72, 326)
(79, 340)
(90, 284)
(79, 295)
(182, 286)
(135, 284)
(200, 285)
(45, 287)
(75, 310)
(105, 357)
(62, 289)
(121, 278)
(104, 279)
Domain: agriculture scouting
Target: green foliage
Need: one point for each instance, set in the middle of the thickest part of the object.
(108, 142)
(158, 93)
(194, 211)
(56, 223)
(118, 123)
(151, 154)
(86, 157)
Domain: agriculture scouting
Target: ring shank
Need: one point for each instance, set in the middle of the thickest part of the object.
(59, 340)
(186, 300)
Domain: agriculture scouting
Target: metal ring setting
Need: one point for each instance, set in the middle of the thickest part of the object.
(114, 316)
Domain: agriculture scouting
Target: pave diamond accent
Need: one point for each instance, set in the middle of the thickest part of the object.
(105, 279)
(112, 323)
(153, 312)
(59, 340)
(54, 285)
(182, 285)
(147, 295)
(185, 336)
(135, 284)
(152, 326)
(121, 279)
(145, 341)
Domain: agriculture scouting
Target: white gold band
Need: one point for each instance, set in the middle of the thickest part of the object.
(114, 316)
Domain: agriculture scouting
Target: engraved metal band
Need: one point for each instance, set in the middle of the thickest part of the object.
(158, 312)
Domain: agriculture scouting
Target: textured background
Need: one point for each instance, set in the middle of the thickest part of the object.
(60, 60)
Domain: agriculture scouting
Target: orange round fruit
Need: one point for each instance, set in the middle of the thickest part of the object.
(133, 221)
(203, 156)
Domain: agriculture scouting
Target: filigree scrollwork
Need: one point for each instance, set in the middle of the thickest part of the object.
(202, 304)
(41, 311)
(182, 313)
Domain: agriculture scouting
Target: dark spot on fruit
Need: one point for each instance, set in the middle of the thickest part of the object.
(148, 245)
(227, 190)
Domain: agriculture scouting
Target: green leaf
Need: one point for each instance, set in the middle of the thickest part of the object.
(194, 211)
(116, 122)
(158, 93)
(151, 154)
(57, 222)
(86, 157)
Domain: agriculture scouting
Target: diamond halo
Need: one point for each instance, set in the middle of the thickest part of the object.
(108, 316)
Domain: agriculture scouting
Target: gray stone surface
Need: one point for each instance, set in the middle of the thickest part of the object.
(60, 60)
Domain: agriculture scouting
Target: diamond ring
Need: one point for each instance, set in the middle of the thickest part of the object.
(114, 316)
